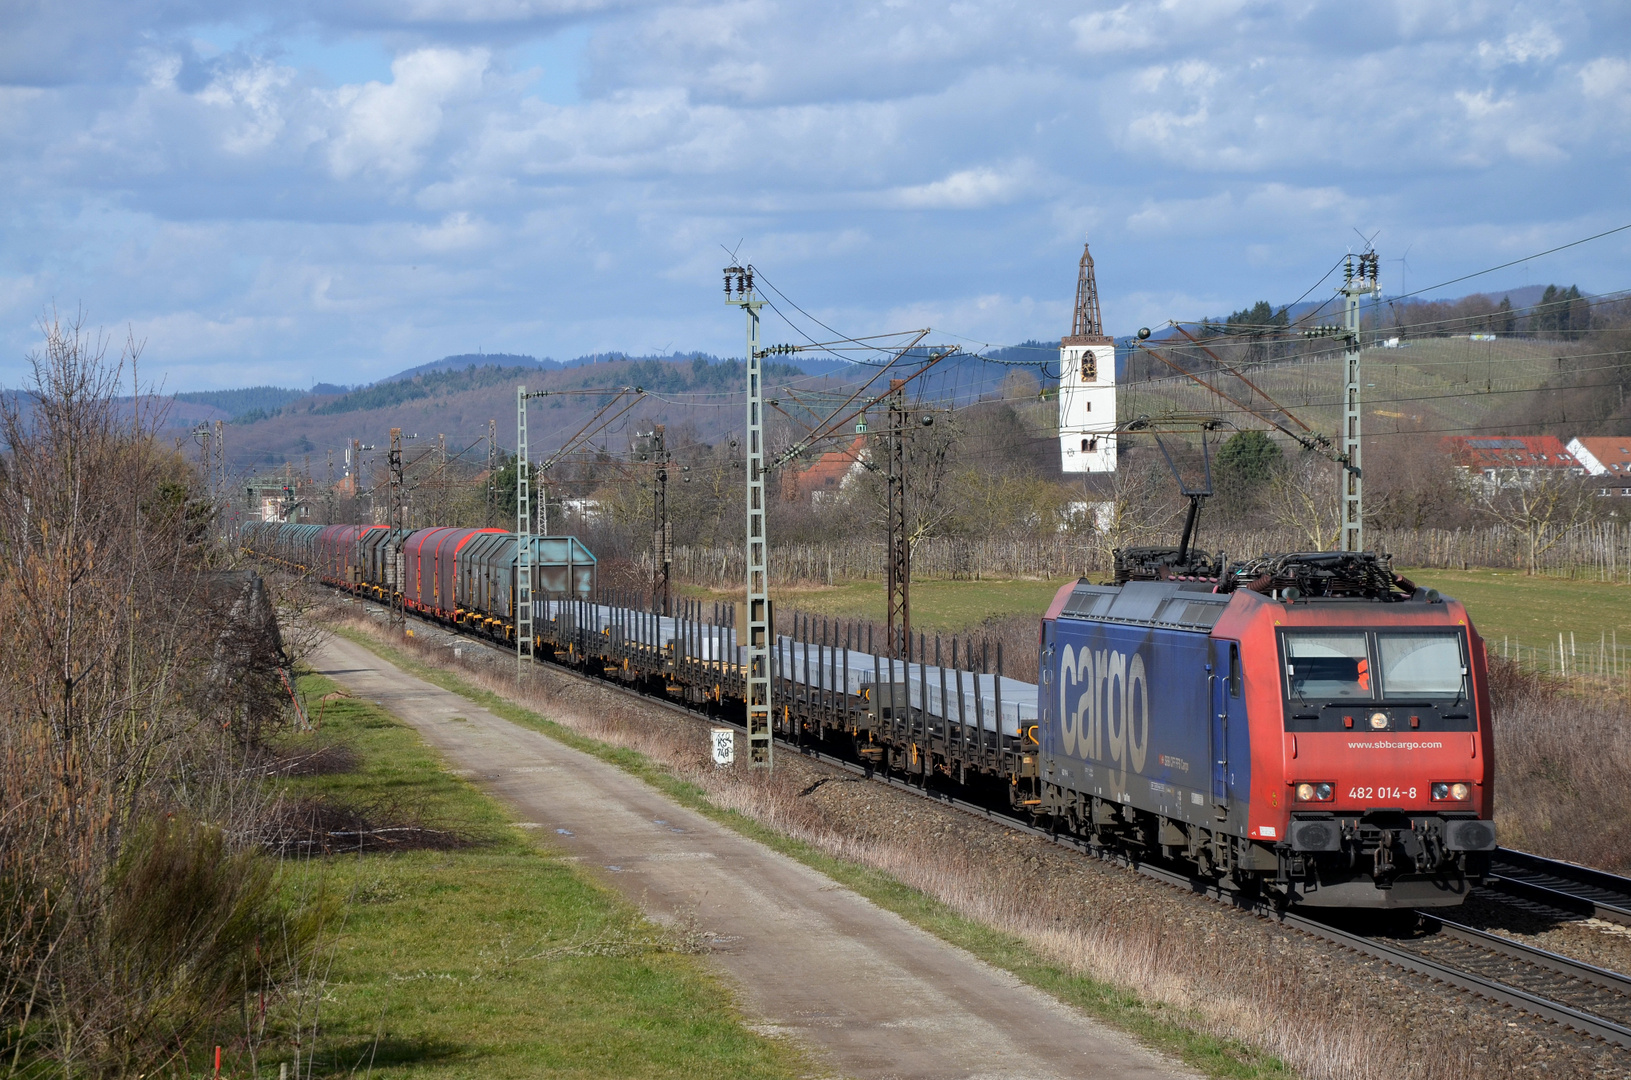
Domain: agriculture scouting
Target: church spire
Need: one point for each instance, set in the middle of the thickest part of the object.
(1087, 328)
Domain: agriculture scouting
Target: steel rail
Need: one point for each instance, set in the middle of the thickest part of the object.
(1568, 886)
(1490, 989)
(1531, 954)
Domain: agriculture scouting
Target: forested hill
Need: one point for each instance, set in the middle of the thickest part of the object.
(700, 374)
(259, 401)
(459, 404)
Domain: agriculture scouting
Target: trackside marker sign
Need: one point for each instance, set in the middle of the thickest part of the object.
(724, 745)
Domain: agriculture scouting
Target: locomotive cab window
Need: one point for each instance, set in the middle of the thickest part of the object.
(1377, 680)
(1328, 666)
(1422, 665)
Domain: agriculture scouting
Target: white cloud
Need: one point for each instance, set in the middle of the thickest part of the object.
(1114, 31)
(1606, 77)
(966, 189)
(384, 127)
(255, 93)
(1538, 42)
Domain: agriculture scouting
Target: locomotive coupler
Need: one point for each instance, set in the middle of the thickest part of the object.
(1382, 859)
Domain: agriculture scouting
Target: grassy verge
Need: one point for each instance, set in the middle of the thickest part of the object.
(494, 957)
(1157, 1026)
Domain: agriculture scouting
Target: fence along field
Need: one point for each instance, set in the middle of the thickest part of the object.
(1599, 552)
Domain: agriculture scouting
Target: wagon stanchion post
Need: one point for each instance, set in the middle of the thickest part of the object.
(997, 695)
(923, 708)
(962, 713)
(809, 686)
(877, 698)
(979, 696)
(829, 672)
(844, 698)
(827, 661)
(945, 713)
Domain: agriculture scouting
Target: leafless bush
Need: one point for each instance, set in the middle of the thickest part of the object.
(131, 674)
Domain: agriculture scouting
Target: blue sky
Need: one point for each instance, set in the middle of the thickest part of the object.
(294, 192)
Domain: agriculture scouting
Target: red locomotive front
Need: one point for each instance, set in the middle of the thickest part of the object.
(1372, 761)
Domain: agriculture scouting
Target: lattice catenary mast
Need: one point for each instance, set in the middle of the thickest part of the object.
(755, 635)
(523, 537)
(397, 508)
(898, 615)
(1361, 277)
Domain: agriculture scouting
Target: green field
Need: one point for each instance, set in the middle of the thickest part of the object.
(496, 958)
(1507, 603)
(1503, 603)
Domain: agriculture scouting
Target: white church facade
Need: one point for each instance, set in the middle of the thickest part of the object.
(1087, 384)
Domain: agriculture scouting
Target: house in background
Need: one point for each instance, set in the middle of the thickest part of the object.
(1510, 461)
(831, 474)
(1607, 460)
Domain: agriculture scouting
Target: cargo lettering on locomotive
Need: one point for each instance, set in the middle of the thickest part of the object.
(1104, 708)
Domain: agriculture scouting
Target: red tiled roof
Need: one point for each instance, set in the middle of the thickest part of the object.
(1509, 452)
(1613, 452)
(829, 470)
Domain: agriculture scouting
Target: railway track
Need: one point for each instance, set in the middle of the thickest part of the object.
(1592, 1002)
(1578, 890)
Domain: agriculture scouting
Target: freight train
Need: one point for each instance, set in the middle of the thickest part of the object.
(1310, 728)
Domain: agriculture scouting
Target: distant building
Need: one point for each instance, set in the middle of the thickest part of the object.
(1607, 459)
(1087, 383)
(1511, 461)
(278, 498)
(831, 473)
(1099, 515)
(586, 510)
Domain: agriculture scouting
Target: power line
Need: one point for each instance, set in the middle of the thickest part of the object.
(1515, 262)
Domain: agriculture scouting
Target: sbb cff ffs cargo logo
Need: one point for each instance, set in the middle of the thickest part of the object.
(1110, 713)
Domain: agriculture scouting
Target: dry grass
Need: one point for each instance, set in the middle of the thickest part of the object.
(1563, 759)
(1315, 1025)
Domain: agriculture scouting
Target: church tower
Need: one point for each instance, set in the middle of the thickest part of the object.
(1087, 383)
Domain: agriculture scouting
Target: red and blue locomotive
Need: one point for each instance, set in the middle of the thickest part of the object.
(1307, 726)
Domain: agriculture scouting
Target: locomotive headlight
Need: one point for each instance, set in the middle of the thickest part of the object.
(1378, 721)
(1460, 792)
(1445, 791)
(1315, 792)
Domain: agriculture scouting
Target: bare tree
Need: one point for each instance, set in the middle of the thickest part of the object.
(128, 902)
(1144, 505)
(1303, 498)
(1540, 507)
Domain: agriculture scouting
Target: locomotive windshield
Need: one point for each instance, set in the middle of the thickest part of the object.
(1421, 665)
(1328, 665)
(1337, 666)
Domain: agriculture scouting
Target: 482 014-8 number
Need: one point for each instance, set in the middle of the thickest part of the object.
(1382, 793)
